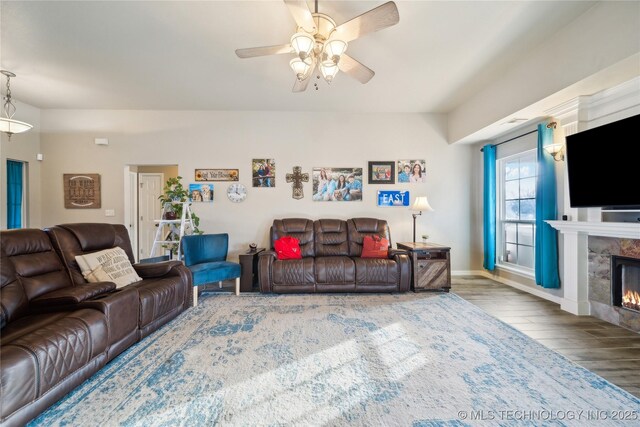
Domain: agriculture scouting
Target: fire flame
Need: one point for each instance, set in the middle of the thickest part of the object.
(631, 299)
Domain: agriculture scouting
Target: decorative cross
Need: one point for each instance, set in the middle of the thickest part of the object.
(297, 177)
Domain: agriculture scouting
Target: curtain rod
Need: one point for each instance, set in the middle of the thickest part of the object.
(511, 139)
(550, 125)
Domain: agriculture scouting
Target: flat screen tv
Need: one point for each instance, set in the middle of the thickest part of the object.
(603, 166)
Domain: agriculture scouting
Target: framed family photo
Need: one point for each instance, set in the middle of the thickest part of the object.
(263, 172)
(382, 173)
(412, 171)
(337, 184)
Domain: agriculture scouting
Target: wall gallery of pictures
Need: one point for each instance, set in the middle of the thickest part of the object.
(329, 184)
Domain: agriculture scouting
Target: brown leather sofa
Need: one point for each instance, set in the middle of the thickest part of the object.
(162, 294)
(331, 261)
(58, 330)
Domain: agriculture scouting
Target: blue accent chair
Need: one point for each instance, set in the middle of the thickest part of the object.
(206, 256)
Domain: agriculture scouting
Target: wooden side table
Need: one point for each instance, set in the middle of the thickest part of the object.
(249, 265)
(431, 266)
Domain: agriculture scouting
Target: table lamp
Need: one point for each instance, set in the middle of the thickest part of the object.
(420, 204)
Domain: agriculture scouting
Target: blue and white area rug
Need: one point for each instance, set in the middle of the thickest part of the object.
(341, 360)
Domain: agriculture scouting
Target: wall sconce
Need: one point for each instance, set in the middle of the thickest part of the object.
(557, 148)
(556, 151)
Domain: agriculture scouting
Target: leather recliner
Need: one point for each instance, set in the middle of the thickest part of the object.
(331, 259)
(166, 288)
(47, 349)
(57, 329)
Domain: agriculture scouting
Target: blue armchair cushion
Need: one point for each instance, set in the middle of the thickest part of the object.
(214, 271)
(201, 248)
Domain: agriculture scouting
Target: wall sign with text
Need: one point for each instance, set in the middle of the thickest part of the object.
(393, 198)
(81, 190)
(217, 174)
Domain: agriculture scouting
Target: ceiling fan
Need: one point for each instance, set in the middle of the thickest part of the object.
(318, 42)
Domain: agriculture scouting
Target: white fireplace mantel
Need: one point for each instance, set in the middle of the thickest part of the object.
(625, 230)
(575, 277)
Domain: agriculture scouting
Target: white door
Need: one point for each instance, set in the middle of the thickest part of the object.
(131, 208)
(149, 209)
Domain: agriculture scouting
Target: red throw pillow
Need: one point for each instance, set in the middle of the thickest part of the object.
(375, 247)
(287, 247)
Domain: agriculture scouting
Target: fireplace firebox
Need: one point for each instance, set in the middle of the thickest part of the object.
(625, 282)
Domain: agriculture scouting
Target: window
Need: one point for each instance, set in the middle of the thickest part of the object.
(517, 211)
(16, 194)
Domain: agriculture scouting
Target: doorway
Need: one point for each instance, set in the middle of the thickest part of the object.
(143, 185)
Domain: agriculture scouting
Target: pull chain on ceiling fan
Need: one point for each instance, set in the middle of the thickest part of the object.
(319, 43)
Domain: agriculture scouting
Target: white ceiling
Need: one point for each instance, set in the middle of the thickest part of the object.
(179, 55)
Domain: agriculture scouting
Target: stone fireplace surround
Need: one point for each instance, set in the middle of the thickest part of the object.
(586, 248)
(601, 249)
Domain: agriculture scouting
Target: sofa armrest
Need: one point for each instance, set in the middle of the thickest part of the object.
(394, 252)
(73, 294)
(155, 269)
(165, 269)
(403, 260)
(265, 263)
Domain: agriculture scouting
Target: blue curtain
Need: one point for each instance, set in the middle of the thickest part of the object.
(546, 263)
(489, 211)
(14, 194)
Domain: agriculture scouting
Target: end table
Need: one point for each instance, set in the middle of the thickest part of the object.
(430, 266)
(249, 265)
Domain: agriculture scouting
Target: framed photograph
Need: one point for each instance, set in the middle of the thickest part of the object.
(412, 171)
(382, 173)
(81, 190)
(201, 192)
(217, 174)
(393, 198)
(263, 172)
(337, 184)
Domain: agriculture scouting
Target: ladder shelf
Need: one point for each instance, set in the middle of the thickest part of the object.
(185, 228)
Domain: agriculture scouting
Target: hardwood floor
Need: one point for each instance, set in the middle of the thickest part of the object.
(608, 350)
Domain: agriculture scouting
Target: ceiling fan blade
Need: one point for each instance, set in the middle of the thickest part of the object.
(376, 19)
(301, 85)
(251, 52)
(301, 14)
(355, 69)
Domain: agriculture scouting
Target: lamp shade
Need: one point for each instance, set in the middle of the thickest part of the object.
(303, 44)
(13, 126)
(334, 49)
(328, 71)
(421, 204)
(299, 67)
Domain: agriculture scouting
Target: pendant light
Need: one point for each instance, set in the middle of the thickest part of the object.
(7, 124)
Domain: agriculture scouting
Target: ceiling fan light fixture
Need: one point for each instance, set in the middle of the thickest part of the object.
(334, 50)
(299, 67)
(329, 71)
(303, 44)
(7, 124)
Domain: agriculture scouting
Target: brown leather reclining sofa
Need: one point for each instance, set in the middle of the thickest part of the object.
(57, 329)
(331, 261)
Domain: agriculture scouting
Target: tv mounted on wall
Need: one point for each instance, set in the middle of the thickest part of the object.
(603, 166)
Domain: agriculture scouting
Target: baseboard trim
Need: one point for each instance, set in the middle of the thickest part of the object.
(513, 284)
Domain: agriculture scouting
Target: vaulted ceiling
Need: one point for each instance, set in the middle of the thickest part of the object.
(180, 55)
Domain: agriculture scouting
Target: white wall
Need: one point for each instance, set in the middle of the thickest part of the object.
(605, 35)
(23, 147)
(232, 139)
